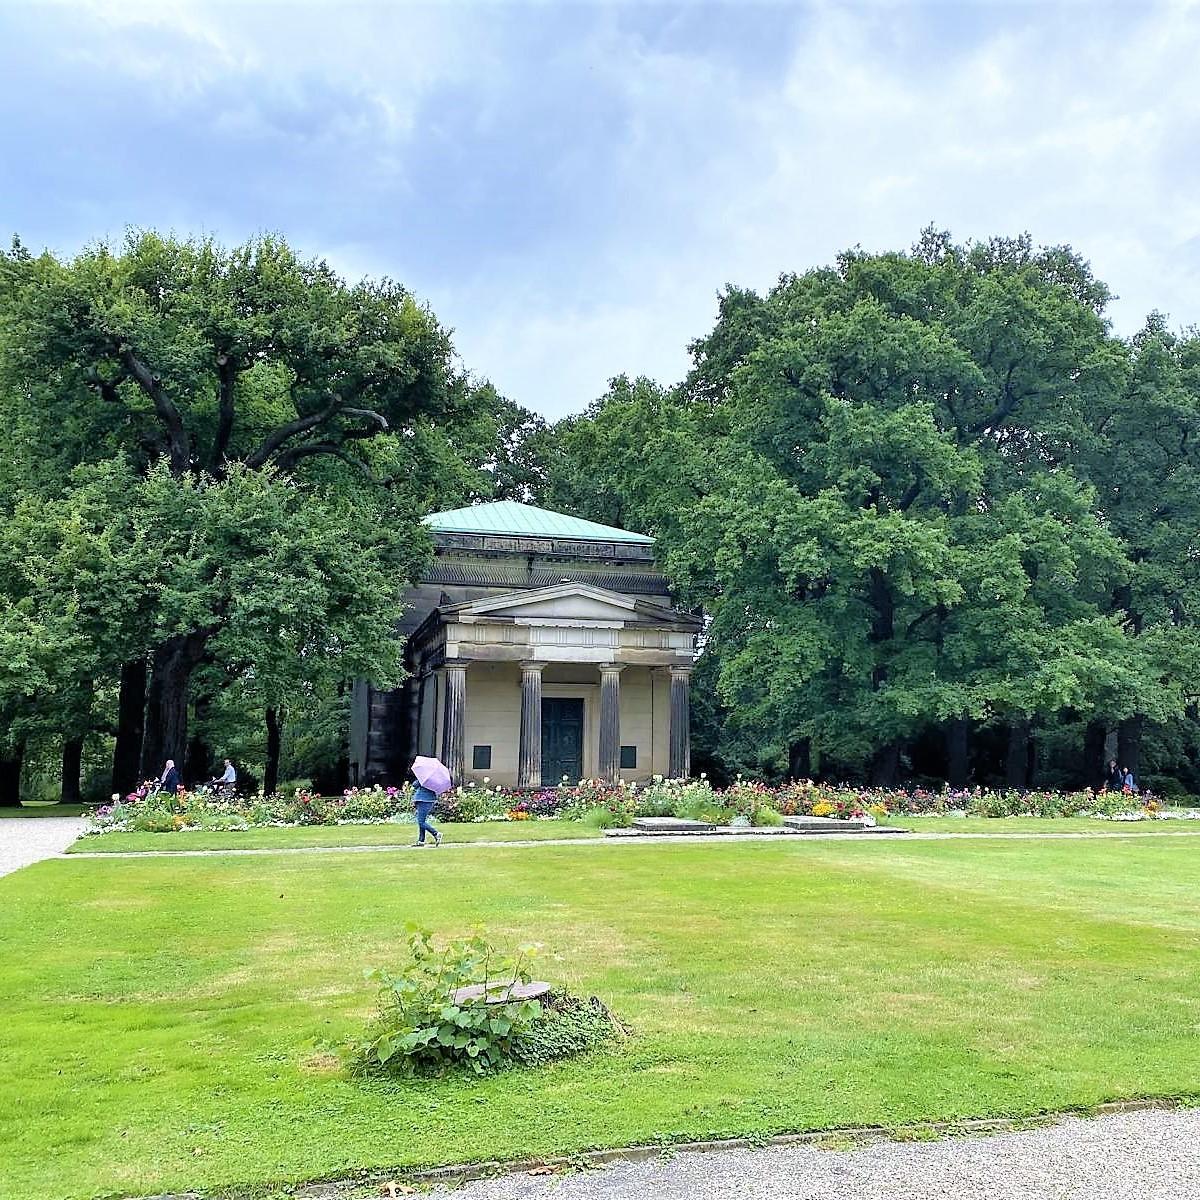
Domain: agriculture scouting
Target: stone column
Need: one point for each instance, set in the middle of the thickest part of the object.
(610, 722)
(529, 767)
(681, 739)
(454, 720)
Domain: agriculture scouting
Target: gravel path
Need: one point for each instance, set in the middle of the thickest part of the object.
(25, 840)
(1152, 1155)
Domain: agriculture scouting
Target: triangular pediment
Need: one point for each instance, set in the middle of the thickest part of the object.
(565, 602)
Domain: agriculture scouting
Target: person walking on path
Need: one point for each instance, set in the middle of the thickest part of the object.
(423, 802)
(433, 778)
(1116, 777)
(170, 781)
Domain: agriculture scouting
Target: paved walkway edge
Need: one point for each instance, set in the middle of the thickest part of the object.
(861, 1135)
(643, 840)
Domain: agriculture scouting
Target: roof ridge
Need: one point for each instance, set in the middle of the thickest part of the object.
(512, 518)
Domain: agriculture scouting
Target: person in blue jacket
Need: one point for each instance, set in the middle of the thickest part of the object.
(423, 802)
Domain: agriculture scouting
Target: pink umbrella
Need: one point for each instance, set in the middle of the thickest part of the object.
(431, 773)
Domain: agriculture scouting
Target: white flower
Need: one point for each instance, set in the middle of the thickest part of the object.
(487, 779)
(116, 796)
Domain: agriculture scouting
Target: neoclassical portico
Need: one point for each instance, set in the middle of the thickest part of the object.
(539, 646)
(526, 687)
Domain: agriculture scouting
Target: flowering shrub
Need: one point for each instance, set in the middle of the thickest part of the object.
(605, 805)
(150, 811)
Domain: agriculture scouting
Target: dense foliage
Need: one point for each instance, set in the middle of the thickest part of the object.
(213, 464)
(944, 522)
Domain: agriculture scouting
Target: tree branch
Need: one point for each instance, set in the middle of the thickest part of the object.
(910, 496)
(273, 441)
(178, 443)
(929, 612)
(1008, 401)
(106, 387)
(226, 379)
(288, 459)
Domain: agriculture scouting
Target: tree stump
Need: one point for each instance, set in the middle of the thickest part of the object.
(501, 991)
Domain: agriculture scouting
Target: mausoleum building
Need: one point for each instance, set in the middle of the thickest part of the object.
(540, 647)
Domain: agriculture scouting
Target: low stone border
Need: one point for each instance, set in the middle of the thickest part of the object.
(860, 1135)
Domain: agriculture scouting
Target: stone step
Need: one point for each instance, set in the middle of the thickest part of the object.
(826, 824)
(671, 825)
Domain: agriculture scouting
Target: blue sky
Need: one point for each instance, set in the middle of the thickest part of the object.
(570, 184)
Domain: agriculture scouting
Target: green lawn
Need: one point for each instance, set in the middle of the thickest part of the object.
(41, 808)
(331, 835)
(162, 1015)
(529, 831)
(977, 825)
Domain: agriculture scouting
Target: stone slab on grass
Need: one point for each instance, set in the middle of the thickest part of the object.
(671, 825)
(825, 824)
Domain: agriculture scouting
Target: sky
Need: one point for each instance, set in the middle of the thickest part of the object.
(570, 185)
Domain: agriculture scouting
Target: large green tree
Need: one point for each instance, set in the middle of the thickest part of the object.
(217, 361)
(876, 481)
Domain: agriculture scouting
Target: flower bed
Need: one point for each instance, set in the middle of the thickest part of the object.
(602, 805)
(150, 811)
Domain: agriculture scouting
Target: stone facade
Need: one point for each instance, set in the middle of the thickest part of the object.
(531, 658)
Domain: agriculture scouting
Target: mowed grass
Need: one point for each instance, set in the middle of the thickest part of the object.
(389, 834)
(163, 1016)
(39, 808)
(402, 834)
(993, 825)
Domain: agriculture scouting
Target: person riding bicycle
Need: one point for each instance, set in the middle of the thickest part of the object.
(226, 783)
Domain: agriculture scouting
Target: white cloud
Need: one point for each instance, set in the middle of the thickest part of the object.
(1076, 130)
(670, 167)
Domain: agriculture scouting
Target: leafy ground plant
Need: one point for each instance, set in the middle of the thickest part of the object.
(427, 1025)
(458, 1005)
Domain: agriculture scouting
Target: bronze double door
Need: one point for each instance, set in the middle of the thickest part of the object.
(562, 741)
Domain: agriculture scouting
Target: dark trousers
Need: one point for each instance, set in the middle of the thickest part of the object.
(424, 808)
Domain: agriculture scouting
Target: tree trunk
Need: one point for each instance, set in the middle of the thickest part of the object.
(10, 777)
(1129, 744)
(1094, 737)
(885, 762)
(131, 724)
(199, 753)
(958, 747)
(167, 706)
(800, 759)
(885, 765)
(271, 771)
(1016, 766)
(72, 765)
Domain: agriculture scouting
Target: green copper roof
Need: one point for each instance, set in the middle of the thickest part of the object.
(507, 517)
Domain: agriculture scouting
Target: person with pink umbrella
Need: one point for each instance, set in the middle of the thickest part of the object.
(432, 780)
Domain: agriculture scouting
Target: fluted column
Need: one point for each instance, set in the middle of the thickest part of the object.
(681, 717)
(529, 766)
(610, 722)
(454, 720)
